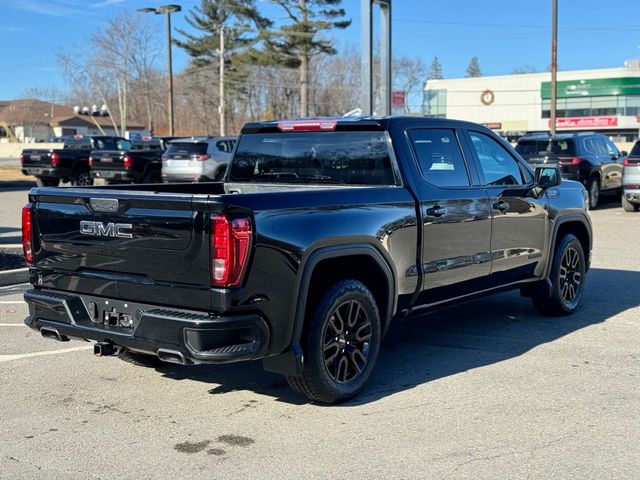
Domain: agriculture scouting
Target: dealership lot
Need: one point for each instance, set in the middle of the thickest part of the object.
(490, 389)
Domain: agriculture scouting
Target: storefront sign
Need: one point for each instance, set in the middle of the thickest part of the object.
(493, 126)
(577, 122)
(593, 87)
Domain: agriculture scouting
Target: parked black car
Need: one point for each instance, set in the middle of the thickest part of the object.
(138, 161)
(69, 163)
(587, 157)
(323, 233)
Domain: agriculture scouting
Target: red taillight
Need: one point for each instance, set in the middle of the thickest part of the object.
(55, 158)
(307, 125)
(631, 162)
(202, 158)
(569, 160)
(22, 158)
(27, 245)
(91, 161)
(127, 161)
(230, 246)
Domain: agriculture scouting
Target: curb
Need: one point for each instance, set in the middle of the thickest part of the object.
(14, 277)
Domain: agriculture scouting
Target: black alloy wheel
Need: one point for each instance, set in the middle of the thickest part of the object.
(347, 337)
(567, 278)
(340, 344)
(570, 275)
(81, 178)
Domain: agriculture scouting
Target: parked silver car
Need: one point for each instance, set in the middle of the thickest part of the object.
(197, 159)
(631, 180)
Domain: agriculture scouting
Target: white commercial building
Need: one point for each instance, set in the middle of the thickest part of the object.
(605, 100)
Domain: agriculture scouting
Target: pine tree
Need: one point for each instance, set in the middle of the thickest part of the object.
(242, 23)
(436, 70)
(473, 70)
(297, 43)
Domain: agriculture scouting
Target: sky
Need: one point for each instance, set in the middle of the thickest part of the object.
(503, 34)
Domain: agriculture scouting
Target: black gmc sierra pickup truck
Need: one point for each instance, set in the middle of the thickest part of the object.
(322, 233)
(69, 163)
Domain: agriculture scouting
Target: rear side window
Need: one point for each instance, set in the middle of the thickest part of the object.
(78, 143)
(497, 165)
(187, 148)
(635, 151)
(439, 157)
(353, 158)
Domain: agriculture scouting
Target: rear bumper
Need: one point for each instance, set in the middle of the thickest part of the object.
(122, 176)
(40, 171)
(196, 336)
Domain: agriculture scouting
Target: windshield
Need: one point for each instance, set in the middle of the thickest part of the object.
(353, 158)
(545, 147)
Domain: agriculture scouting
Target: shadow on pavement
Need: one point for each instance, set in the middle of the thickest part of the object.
(9, 186)
(437, 345)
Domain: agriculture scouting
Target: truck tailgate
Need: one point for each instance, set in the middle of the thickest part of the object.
(36, 158)
(142, 246)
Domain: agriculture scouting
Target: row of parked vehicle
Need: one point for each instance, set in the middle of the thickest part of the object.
(589, 158)
(82, 159)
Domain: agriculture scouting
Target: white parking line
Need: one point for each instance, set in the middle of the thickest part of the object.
(11, 302)
(9, 358)
(12, 325)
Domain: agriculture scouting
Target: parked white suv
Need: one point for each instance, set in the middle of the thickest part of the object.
(197, 159)
(631, 180)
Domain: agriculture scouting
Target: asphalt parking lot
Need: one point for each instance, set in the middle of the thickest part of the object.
(487, 390)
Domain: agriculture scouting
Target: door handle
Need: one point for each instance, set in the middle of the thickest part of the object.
(436, 211)
(501, 205)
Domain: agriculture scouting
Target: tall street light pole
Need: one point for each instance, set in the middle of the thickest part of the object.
(167, 10)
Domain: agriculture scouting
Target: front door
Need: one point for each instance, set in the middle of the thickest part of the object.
(456, 216)
(519, 227)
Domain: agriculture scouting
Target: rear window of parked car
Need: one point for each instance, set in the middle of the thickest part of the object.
(187, 148)
(635, 151)
(546, 147)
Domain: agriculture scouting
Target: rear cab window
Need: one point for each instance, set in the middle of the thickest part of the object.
(545, 147)
(335, 157)
(635, 151)
(439, 157)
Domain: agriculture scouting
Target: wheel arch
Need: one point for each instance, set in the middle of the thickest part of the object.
(577, 225)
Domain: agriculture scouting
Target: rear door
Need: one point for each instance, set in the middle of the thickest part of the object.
(519, 217)
(145, 246)
(456, 230)
(611, 163)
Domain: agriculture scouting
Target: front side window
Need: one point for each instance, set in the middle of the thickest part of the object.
(439, 157)
(496, 164)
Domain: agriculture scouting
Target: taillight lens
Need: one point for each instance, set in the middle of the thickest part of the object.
(27, 244)
(631, 162)
(230, 247)
(91, 161)
(55, 158)
(569, 160)
(202, 158)
(22, 158)
(127, 161)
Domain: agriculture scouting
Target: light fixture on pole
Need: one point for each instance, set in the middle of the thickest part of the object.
(167, 10)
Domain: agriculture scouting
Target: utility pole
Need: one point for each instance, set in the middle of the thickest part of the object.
(221, 107)
(554, 64)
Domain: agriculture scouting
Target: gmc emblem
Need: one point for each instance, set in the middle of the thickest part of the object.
(99, 229)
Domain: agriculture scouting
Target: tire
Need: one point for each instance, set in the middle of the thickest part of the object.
(567, 279)
(140, 359)
(220, 174)
(47, 182)
(628, 206)
(152, 176)
(594, 192)
(81, 178)
(338, 364)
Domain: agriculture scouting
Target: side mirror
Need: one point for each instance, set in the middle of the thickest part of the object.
(624, 153)
(547, 177)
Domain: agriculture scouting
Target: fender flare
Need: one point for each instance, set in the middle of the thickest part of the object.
(291, 361)
(572, 217)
